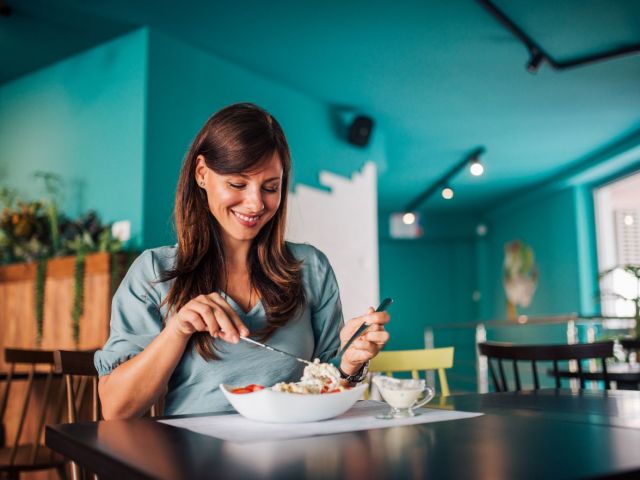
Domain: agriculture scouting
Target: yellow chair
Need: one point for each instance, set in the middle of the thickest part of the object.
(414, 360)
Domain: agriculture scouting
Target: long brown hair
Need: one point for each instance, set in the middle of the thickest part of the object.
(237, 139)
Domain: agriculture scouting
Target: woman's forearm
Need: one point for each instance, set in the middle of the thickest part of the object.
(131, 388)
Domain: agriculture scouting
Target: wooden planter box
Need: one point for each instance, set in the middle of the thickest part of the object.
(18, 324)
(17, 304)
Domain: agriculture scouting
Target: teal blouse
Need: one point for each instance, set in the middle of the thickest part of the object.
(136, 318)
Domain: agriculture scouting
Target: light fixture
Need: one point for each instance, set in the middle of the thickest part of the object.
(409, 218)
(405, 225)
(628, 220)
(537, 57)
(472, 159)
(476, 168)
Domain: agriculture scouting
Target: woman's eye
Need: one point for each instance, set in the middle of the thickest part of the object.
(237, 186)
(271, 189)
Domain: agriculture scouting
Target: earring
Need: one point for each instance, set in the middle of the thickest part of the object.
(202, 183)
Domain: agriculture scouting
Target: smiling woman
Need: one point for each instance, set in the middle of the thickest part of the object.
(231, 274)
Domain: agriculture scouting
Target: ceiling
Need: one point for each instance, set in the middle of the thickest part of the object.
(439, 78)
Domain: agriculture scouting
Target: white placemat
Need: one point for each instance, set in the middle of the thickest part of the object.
(236, 428)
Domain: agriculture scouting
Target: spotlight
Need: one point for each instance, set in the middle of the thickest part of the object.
(447, 193)
(628, 220)
(408, 218)
(534, 62)
(405, 225)
(476, 168)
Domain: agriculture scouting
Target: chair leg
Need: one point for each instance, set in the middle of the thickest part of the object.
(76, 473)
(62, 472)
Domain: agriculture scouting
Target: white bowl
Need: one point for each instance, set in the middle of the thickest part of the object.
(281, 407)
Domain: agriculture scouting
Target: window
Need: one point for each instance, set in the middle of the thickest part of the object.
(618, 237)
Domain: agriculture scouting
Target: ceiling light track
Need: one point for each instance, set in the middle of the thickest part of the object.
(538, 55)
(442, 183)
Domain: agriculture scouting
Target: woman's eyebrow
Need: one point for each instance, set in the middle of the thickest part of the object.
(244, 175)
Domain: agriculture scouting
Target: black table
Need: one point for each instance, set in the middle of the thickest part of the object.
(539, 435)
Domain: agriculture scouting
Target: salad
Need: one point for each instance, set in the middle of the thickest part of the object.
(317, 378)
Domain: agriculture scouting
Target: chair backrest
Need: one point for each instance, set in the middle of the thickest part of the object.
(631, 344)
(414, 361)
(78, 370)
(38, 365)
(497, 352)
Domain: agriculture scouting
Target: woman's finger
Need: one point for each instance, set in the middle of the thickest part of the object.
(360, 356)
(207, 314)
(379, 318)
(363, 345)
(228, 331)
(378, 337)
(194, 320)
(231, 313)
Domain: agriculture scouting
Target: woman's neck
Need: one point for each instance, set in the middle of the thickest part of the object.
(238, 281)
(236, 256)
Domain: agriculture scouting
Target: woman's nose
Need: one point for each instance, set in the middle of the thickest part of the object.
(254, 200)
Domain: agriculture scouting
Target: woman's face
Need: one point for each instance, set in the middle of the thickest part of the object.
(242, 203)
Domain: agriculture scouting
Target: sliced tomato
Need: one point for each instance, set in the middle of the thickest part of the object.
(248, 389)
(241, 390)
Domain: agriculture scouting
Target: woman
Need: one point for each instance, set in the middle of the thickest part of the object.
(179, 313)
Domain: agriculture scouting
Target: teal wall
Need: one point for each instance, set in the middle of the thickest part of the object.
(82, 118)
(433, 279)
(187, 85)
(548, 224)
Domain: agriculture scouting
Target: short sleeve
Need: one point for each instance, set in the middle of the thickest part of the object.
(135, 316)
(326, 309)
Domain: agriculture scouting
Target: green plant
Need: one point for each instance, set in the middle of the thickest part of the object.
(41, 275)
(34, 231)
(78, 298)
(53, 186)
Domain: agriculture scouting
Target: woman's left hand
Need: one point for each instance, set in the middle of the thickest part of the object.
(367, 346)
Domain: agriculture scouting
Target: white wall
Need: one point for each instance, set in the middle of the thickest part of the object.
(342, 221)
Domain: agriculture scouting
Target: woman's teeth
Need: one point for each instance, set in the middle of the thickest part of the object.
(245, 218)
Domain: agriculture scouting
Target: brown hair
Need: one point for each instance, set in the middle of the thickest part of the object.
(238, 138)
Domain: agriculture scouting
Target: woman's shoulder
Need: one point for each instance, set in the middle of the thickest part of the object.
(151, 263)
(307, 253)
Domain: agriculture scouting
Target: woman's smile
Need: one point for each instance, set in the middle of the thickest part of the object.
(246, 220)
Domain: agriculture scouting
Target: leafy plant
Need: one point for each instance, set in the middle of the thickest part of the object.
(33, 231)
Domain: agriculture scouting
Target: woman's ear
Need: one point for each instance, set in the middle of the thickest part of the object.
(201, 169)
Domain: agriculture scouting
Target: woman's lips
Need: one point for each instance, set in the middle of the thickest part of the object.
(246, 220)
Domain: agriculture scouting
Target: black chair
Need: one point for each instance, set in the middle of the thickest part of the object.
(78, 370)
(30, 454)
(630, 344)
(498, 353)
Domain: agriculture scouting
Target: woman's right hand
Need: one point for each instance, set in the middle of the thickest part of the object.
(209, 313)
